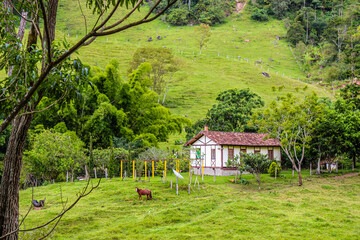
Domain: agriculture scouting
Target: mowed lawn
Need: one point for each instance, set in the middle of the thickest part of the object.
(323, 208)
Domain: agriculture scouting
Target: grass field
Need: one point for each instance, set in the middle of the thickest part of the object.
(323, 208)
(216, 69)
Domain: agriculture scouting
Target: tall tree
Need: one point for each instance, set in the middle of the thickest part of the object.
(163, 67)
(203, 32)
(232, 112)
(28, 85)
(292, 121)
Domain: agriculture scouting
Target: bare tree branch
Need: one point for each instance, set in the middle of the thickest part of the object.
(83, 193)
(48, 42)
(65, 93)
(82, 13)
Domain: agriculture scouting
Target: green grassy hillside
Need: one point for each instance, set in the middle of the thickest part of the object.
(323, 208)
(218, 68)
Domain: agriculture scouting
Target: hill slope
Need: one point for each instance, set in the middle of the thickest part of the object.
(218, 68)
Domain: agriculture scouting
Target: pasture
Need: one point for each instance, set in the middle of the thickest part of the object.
(325, 207)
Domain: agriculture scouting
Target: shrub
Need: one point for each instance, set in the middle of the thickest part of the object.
(178, 17)
(272, 168)
(160, 168)
(243, 181)
(214, 15)
(259, 15)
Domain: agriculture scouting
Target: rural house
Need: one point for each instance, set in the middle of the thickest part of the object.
(211, 150)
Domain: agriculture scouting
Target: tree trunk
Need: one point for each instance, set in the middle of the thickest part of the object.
(318, 172)
(87, 175)
(9, 191)
(300, 178)
(236, 177)
(259, 181)
(354, 163)
(72, 174)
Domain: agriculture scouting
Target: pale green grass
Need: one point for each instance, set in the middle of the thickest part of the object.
(216, 70)
(323, 208)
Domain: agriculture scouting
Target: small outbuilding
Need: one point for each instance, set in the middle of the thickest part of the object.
(212, 149)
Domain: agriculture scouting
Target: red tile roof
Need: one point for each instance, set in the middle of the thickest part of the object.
(236, 139)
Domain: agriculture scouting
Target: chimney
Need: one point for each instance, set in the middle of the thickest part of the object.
(206, 128)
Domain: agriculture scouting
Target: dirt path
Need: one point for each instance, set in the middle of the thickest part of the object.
(240, 5)
(346, 175)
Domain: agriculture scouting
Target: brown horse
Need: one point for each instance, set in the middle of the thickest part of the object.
(141, 192)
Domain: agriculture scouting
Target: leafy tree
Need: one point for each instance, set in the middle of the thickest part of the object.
(163, 67)
(295, 33)
(256, 164)
(49, 71)
(53, 154)
(351, 94)
(232, 112)
(203, 32)
(292, 121)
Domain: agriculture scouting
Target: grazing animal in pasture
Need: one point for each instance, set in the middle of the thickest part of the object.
(265, 74)
(141, 192)
(256, 62)
(41, 203)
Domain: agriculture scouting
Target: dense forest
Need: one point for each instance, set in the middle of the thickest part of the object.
(324, 34)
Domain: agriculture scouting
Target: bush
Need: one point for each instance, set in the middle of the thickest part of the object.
(259, 15)
(214, 15)
(160, 168)
(243, 181)
(272, 168)
(178, 17)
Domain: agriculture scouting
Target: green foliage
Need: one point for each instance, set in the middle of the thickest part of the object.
(178, 17)
(232, 113)
(274, 167)
(160, 167)
(256, 164)
(53, 153)
(214, 15)
(109, 159)
(296, 33)
(204, 11)
(203, 32)
(351, 94)
(292, 121)
(259, 15)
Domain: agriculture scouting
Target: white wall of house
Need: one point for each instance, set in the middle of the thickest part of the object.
(206, 144)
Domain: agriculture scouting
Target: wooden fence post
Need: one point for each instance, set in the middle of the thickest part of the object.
(121, 171)
(177, 187)
(134, 170)
(95, 172)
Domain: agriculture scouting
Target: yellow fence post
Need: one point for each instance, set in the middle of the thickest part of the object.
(145, 170)
(165, 169)
(189, 167)
(121, 169)
(133, 169)
(153, 168)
